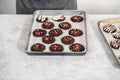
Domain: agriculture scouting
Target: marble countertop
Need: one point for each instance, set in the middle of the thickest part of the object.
(98, 63)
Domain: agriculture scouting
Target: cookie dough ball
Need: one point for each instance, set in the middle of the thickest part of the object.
(77, 19)
(115, 44)
(37, 47)
(109, 28)
(56, 48)
(47, 25)
(65, 25)
(77, 47)
(39, 32)
(75, 32)
(48, 39)
(55, 32)
(67, 40)
(116, 35)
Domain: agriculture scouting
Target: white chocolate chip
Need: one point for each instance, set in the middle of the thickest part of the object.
(59, 17)
(42, 18)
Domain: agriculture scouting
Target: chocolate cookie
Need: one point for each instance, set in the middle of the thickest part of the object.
(47, 25)
(38, 47)
(109, 28)
(65, 25)
(77, 47)
(67, 40)
(115, 44)
(42, 18)
(48, 39)
(55, 32)
(56, 47)
(39, 32)
(116, 35)
(59, 18)
(77, 18)
(75, 32)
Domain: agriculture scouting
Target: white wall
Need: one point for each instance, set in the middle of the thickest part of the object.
(90, 6)
(100, 6)
(7, 6)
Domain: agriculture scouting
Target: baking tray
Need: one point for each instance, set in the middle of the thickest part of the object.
(108, 36)
(68, 14)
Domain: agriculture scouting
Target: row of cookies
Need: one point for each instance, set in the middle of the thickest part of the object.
(76, 47)
(43, 18)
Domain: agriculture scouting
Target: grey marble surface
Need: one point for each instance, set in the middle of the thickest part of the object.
(98, 64)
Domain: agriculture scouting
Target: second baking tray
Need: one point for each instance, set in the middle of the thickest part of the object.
(109, 36)
(68, 14)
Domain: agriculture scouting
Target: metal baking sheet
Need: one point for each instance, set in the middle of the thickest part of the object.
(51, 13)
(109, 37)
